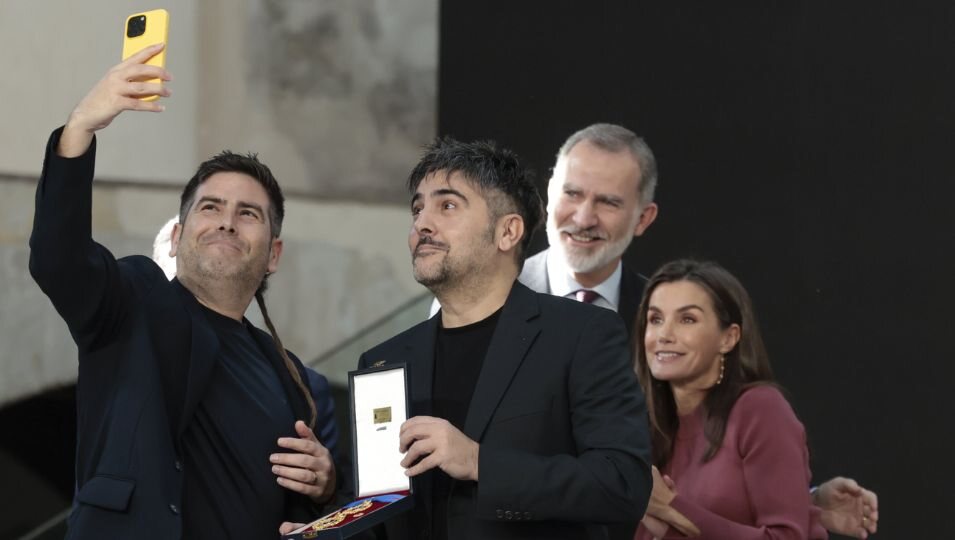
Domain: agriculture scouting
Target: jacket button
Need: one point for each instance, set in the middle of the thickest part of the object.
(500, 513)
(178, 465)
(174, 508)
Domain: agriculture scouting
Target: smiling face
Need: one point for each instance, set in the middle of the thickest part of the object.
(452, 236)
(226, 233)
(684, 338)
(594, 208)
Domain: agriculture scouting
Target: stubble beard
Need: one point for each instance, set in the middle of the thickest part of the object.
(455, 272)
(209, 272)
(436, 279)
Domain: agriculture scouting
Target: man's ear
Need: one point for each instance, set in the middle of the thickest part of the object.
(510, 232)
(174, 239)
(275, 253)
(647, 215)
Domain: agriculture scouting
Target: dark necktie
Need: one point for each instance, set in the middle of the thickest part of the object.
(586, 296)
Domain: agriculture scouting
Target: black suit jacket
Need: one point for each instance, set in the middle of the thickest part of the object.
(559, 416)
(146, 353)
(534, 275)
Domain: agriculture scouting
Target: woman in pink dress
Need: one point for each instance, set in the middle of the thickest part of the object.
(730, 455)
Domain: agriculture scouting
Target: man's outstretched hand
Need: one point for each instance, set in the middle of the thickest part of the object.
(119, 90)
(847, 507)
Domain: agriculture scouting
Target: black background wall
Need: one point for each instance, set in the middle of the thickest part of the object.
(808, 148)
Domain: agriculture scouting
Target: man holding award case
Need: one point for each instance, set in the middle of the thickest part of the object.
(526, 419)
(379, 406)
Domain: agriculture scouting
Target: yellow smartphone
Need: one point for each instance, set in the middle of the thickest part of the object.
(143, 30)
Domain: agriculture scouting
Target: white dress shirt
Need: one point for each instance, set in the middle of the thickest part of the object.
(562, 283)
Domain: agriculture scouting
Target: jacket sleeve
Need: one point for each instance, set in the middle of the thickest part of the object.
(81, 277)
(608, 479)
(326, 429)
(775, 468)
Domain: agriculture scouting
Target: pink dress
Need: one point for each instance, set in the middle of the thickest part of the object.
(757, 484)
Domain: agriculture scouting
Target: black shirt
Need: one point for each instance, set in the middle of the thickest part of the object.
(459, 357)
(229, 490)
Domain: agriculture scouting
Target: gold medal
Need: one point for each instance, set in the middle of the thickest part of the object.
(358, 508)
(329, 521)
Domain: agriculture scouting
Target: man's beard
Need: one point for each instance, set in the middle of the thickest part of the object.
(211, 270)
(580, 260)
(452, 270)
(435, 279)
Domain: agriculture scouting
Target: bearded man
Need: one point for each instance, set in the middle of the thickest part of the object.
(192, 423)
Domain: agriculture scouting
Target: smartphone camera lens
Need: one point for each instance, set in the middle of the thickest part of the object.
(136, 26)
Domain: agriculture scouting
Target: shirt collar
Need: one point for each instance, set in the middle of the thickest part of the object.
(562, 282)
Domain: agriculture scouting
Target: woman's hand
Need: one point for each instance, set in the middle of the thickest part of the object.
(657, 527)
(659, 508)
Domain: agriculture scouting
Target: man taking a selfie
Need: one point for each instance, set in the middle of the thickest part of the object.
(192, 423)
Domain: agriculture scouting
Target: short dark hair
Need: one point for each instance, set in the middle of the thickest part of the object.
(496, 172)
(746, 365)
(248, 164)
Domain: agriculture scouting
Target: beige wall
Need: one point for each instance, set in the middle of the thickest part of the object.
(54, 51)
(345, 264)
(340, 94)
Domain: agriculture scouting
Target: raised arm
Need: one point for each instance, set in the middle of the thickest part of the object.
(119, 90)
(80, 276)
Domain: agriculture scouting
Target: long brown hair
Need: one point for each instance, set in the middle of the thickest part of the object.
(745, 365)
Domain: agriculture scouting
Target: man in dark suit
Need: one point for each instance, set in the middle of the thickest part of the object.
(528, 421)
(599, 198)
(192, 423)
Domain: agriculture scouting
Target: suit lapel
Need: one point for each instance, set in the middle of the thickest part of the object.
(516, 330)
(203, 354)
(418, 355)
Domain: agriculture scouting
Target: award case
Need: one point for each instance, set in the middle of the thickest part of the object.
(379, 405)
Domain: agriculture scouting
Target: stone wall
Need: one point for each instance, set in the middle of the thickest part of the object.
(344, 266)
(337, 97)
